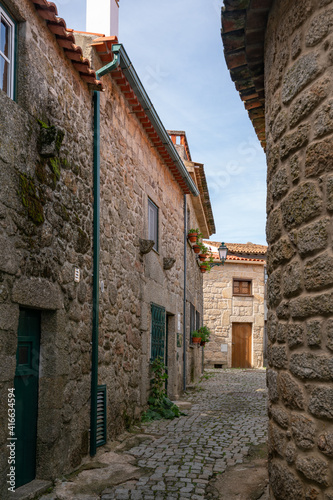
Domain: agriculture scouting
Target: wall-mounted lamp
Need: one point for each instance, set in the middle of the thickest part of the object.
(223, 252)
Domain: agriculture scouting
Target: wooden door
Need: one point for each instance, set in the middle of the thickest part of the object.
(26, 393)
(241, 345)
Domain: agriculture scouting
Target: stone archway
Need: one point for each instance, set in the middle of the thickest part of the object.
(280, 55)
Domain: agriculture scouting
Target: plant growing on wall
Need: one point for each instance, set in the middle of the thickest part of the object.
(160, 405)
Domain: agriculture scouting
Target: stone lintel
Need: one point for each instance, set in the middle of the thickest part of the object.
(241, 319)
(38, 293)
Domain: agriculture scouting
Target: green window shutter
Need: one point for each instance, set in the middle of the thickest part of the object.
(157, 331)
(101, 415)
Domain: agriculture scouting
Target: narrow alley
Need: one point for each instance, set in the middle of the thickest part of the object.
(179, 459)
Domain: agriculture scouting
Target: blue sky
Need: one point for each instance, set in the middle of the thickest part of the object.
(176, 49)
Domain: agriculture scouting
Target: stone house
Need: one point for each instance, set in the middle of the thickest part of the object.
(279, 54)
(234, 307)
(94, 205)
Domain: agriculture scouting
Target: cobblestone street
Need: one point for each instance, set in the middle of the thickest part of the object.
(228, 415)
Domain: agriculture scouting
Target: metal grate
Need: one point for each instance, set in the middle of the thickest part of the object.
(157, 331)
(101, 415)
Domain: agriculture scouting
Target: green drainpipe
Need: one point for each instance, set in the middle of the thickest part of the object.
(96, 253)
(120, 58)
(96, 248)
(184, 298)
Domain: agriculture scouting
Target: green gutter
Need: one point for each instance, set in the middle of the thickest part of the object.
(96, 253)
(120, 59)
(184, 298)
(135, 83)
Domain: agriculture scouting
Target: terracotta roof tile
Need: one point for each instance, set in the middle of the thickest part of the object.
(66, 40)
(235, 257)
(243, 34)
(205, 199)
(245, 248)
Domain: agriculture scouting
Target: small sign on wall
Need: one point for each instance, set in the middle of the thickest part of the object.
(224, 347)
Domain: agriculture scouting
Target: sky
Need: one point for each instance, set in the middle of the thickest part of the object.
(176, 49)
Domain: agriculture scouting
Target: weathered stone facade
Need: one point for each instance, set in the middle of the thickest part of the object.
(46, 236)
(299, 152)
(222, 308)
(46, 227)
(298, 91)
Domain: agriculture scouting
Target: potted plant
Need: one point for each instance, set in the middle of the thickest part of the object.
(205, 334)
(196, 248)
(196, 337)
(204, 267)
(203, 252)
(192, 235)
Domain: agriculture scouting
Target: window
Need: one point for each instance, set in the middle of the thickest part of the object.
(242, 287)
(192, 320)
(197, 320)
(153, 223)
(158, 318)
(7, 29)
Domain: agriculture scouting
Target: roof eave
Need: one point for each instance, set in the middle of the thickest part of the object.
(139, 90)
(243, 34)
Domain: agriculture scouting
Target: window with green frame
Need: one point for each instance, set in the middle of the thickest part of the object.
(158, 318)
(7, 52)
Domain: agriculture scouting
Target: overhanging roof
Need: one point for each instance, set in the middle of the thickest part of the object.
(129, 83)
(66, 40)
(243, 35)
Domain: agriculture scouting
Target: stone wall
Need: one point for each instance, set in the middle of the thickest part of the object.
(222, 309)
(45, 232)
(299, 126)
(194, 295)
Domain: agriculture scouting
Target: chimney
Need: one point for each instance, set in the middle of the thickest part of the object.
(102, 17)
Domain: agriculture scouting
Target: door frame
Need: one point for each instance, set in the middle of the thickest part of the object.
(28, 336)
(251, 342)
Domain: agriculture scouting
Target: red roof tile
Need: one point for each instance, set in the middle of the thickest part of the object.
(66, 40)
(235, 257)
(247, 248)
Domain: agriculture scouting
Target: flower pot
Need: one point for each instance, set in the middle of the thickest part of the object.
(192, 237)
(202, 257)
(203, 269)
(196, 340)
(202, 343)
(196, 248)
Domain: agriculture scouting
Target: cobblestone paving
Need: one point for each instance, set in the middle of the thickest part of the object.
(228, 415)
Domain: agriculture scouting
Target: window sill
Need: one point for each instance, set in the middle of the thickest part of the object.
(242, 295)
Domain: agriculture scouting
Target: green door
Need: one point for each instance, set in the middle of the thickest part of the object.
(26, 394)
(157, 331)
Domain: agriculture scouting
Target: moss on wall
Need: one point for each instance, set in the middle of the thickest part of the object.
(30, 200)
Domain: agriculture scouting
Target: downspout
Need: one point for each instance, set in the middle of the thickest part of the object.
(96, 255)
(185, 284)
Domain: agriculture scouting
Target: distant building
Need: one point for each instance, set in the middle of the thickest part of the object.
(234, 307)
